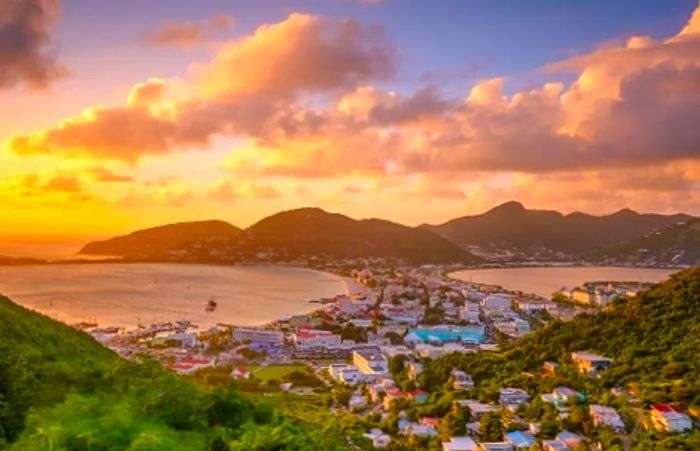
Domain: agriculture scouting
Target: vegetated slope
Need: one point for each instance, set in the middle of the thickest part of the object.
(158, 241)
(512, 226)
(678, 244)
(313, 232)
(59, 389)
(653, 338)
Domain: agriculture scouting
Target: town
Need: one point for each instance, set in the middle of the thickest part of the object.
(369, 351)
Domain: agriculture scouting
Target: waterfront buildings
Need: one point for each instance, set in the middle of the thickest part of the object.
(310, 339)
(258, 335)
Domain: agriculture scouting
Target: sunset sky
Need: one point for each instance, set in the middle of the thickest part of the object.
(122, 115)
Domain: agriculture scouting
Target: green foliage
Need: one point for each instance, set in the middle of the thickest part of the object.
(59, 389)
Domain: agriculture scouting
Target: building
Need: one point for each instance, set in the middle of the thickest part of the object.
(186, 340)
(554, 445)
(309, 339)
(668, 418)
(570, 439)
(470, 313)
(379, 439)
(494, 446)
(606, 416)
(258, 335)
(413, 370)
(240, 373)
(418, 396)
(496, 302)
(476, 408)
(461, 380)
(513, 396)
(587, 362)
(562, 395)
(392, 394)
(370, 361)
(520, 440)
(459, 444)
(357, 401)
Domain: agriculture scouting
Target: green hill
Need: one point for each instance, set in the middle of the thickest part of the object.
(160, 241)
(313, 232)
(653, 338)
(59, 389)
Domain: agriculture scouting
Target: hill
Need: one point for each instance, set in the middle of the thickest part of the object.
(677, 244)
(313, 232)
(60, 389)
(653, 340)
(162, 240)
(511, 227)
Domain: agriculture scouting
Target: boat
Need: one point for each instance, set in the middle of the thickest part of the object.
(211, 305)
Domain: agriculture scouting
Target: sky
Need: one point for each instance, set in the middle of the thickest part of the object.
(116, 116)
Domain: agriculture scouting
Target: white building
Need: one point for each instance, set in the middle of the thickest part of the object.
(370, 361)
(513, 396)
(459, 444)
(470, 313)
(668, 418)
(309, 339)
(606, 416)
(461, 380)
(258, 335)
(496, 302)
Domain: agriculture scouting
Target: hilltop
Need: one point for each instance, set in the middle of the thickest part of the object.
(162, 240)
(314, 232)
(512, 227)
(289, 235)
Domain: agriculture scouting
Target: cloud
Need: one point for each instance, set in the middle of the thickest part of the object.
(26, 53)
(187, 35)
(228, 190)
(101, 174)
(43, 188)
(250, 84)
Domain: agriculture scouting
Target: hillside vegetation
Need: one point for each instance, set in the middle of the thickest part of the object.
(654, 340)
(159, 241)
(511, 226)
(59, 389)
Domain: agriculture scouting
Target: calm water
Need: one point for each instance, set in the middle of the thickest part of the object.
(545, 281)
(125, 294)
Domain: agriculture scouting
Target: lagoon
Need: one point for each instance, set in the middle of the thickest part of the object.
(544, 281)
(125, 295)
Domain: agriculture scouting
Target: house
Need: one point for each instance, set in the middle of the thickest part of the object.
(476, 408)
(379, 438)
(240, 373)
(668, 418)
(520, 440)
(392, 394)
(513, 397)
(461, 380)
(554, 445)
(587, 362)
(430, 421)
(550, 368)
(570, 439)
(459, 444)
(606, 416)
(418, 396)
(494, 446)
(414, 369)
(421, 430)
(357, 401)
(560, 396)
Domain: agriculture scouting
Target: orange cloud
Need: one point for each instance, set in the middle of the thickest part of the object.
(26, 54)
(187, 35)
(249, 83)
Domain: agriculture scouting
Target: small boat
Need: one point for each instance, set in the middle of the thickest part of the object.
(211, 305)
